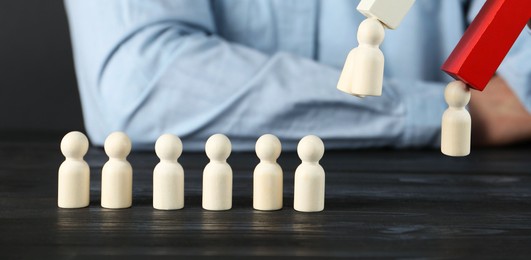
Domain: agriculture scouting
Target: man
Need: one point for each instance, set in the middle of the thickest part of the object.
(245, 68)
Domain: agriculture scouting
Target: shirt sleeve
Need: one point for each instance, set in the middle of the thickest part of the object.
(154, 67)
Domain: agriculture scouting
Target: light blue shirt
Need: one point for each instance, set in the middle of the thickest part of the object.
(245, 68)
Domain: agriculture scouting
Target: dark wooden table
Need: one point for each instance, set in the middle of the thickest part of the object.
(379, 203)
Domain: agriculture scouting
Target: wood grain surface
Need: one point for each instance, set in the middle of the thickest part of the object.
(379, 204)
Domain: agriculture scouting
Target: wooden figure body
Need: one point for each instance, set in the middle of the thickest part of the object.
(268, 176)
(309, 190)
(363, 72)
(217, 175)
(168, 175)
(74, 173)
(456, 122)
(117, 173)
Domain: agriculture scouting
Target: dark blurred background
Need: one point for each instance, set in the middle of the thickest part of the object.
(38, 89)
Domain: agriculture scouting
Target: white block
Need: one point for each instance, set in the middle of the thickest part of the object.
(389, 12)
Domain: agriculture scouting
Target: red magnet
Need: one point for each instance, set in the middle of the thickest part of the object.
(487, 41)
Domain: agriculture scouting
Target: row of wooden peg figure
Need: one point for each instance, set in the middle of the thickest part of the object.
(168, 175)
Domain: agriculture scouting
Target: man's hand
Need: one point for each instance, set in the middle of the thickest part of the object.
(498, 116)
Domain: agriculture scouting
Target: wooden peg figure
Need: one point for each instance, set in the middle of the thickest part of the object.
(309, 190)
(456, 122)
(74, 172)
(117, 173)
(363, 72)
(217, 175)
(168, 175)
(267, 176)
